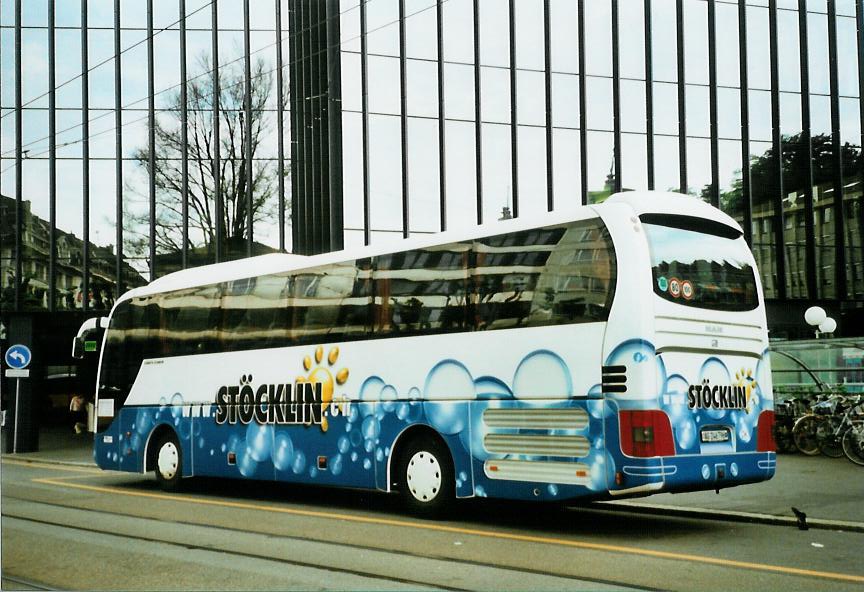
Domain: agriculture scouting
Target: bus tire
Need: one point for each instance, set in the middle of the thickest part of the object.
(168, 462)
(426, 477)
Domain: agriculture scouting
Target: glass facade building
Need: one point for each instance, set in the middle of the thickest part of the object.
(350, 122)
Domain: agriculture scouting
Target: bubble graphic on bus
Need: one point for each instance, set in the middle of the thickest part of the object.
(336, 464)
(446, 381)
(388, 398)
(299, 463)
(542, 375)
(716, 373)
(369, 393)
(246, 464)
(638, 355)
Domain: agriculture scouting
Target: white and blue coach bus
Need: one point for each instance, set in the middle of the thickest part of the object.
(617, 350)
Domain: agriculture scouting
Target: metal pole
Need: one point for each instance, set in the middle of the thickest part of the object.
(85, 157)
(859, 19)
(403, 119)
(118, 156)
(777, 143)
(616, 101)
(478, 113)
(514, 130)
(364, 85)
(247, 136)
(836, 150)
(333, 112)
(746, 195)
(17, 405)
(218, 215)
(649, 95)
(583, 111)
(19, 172)
(52, 158)
(184, 135)
(547, 72)
(151, 139)
(807, 146)
(442, 163)
(682, 100)
(280, 125)
(712, 102)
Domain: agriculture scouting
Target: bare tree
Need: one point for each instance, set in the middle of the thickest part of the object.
(203, 217)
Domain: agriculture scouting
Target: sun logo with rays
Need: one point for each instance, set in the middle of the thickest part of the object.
(745, 378)
(324, 374)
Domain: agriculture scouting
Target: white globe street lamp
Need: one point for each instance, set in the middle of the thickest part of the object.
(815, 315)
(829, 325)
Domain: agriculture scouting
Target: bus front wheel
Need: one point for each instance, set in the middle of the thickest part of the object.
(427, 484)
(168, 462)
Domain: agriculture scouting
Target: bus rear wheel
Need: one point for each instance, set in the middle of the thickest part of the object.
(169, 462)
(426, 478)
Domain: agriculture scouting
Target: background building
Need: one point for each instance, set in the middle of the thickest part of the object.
(349, 122)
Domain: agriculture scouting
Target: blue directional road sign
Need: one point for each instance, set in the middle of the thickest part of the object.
(18, 356)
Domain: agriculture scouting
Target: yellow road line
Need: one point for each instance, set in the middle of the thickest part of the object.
(471, 532)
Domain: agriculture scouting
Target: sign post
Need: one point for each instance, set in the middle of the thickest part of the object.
(18, 357)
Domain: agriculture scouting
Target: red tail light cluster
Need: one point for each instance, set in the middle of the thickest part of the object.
(765, 432)
(646, 433)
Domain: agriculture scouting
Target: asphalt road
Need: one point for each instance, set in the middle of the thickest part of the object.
(80, 528)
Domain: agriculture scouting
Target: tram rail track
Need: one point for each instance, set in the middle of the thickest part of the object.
(220, 532)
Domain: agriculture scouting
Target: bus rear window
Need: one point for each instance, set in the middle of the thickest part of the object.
(701, 270)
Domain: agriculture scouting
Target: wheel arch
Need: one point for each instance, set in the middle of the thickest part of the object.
(407, 435)
(150, 449)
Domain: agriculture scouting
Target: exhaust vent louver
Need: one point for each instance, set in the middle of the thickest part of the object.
(614, 379)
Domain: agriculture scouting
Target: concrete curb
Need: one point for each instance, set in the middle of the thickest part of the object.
(48, 461)
(733, 516)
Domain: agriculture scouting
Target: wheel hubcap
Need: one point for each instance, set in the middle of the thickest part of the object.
(424, 476)
(168, 460)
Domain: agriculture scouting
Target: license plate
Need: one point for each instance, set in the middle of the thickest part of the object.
(715, 436)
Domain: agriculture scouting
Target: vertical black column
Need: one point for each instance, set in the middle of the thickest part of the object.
(746, 195)
(777, 160)
(280, 126)
(403, 119)
(547, 55)
(85, 158)
(321, 127)
(712, 102)
(151, 138)
(296, 122)
(682, 99)
(616, 101)
(52, 158)
(364, 92)
(184, 139)
(19, 171)
(309, 90)
(837, 155)
(806, 149)
(313, 107)
(247, 135)
(119, 287)
(514, 117)
(442, 153)
(333, 111)
(583, 111)
(859, 18)
(649, 95)
(478, 125)
(218, 216)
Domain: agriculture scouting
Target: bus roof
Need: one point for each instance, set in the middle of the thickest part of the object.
(638, 201)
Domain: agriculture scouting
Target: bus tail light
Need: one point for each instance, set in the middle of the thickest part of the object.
(646, 433)
(765, 432)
